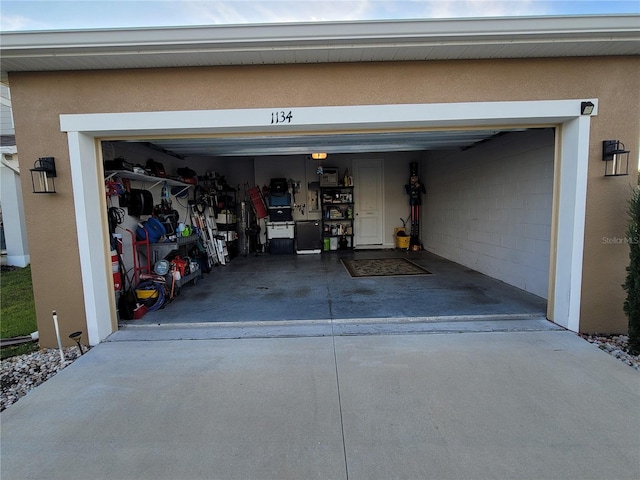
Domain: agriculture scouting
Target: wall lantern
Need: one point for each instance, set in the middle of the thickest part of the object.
(586, 108)
(43, 174)
(616, 158)
(319, 156)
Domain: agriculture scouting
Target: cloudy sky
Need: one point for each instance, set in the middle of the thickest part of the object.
(77, 14)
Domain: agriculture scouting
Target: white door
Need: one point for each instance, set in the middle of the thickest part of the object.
(368, 193)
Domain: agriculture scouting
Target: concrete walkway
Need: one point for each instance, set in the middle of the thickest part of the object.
(506, 405)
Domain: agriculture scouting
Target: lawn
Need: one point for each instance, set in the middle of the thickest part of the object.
(17, 311)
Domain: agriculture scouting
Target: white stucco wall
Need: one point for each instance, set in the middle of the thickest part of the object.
(489, 207)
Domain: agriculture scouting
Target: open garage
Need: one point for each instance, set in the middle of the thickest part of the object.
(492, 204)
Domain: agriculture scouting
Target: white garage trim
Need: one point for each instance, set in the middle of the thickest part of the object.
(92, 238)
(574, 152)
(84, 129)
(471, 114)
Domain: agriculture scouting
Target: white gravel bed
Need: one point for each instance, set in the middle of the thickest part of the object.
(20, 374)
(617, 346)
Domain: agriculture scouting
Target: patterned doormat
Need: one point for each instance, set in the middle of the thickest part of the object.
(383, 267)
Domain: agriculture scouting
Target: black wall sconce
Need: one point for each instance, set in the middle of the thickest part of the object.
(616, 158)
(43, 174)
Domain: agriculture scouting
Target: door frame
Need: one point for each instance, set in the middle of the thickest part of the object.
(84, 132)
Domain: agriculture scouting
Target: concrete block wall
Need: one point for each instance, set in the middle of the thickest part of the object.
(489, 207)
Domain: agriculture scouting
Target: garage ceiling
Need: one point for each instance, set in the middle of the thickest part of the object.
(256, 146)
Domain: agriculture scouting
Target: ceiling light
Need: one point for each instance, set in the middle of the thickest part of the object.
(319, 155)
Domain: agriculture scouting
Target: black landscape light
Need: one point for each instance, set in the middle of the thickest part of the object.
(76, 337)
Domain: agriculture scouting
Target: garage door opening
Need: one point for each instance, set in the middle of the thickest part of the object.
(485, 226)
(567, 199)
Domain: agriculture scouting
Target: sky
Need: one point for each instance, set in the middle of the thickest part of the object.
(21, 15)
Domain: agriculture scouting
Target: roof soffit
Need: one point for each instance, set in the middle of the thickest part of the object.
(525, 37)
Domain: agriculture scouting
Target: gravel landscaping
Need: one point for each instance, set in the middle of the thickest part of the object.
(617, 346)
(22, 373)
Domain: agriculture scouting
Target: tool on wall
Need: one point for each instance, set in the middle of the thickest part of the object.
(415, 189)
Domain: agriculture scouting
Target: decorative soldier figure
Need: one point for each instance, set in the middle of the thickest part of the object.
(415, 189)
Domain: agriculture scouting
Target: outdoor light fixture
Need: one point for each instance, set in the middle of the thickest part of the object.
(77, 337)
(616, 158)
(43, 174)
(586, 108)
(319, 155)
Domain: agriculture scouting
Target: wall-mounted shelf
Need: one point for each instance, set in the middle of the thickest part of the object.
(146, 178)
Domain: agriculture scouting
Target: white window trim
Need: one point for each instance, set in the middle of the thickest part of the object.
(84, 129)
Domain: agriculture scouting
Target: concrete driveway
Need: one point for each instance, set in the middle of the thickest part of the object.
(500, 405)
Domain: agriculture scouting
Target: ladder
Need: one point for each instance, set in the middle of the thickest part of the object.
(213, 242)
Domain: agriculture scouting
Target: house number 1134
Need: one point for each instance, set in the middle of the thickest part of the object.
(281, 117)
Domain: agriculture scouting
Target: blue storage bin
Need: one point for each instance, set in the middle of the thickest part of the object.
(280, 199)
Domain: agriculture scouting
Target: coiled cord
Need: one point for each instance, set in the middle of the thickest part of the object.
(115, 217)
(158, 287)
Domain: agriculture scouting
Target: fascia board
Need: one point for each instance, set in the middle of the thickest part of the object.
(326, 33)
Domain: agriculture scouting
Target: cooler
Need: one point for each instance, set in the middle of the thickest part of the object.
(280, 199)
(280, 236)
(280, 214)
(280, 230)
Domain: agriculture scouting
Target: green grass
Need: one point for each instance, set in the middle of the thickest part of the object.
(17, 310)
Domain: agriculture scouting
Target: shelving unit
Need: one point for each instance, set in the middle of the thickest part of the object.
(227, 219)
(337, 217)
(152, 252)
(183, 245)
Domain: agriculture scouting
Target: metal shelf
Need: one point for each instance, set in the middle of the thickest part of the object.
(330, 197)
(187, 278)
(146, 178)
(187, 240)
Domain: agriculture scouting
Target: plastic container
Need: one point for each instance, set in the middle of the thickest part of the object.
(280, 200)
(402, 241)
(281, 246)
(280, 230)
(280, 214)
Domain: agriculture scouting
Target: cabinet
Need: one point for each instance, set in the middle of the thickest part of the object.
(337, 218)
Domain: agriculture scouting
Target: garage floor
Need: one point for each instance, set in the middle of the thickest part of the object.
(317, 287)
